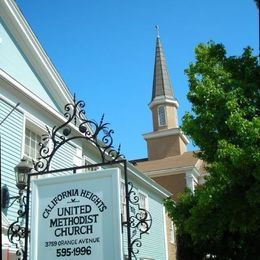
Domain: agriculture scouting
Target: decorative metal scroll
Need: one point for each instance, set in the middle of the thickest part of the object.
(16, 232)
(98, 134)
(140, 220)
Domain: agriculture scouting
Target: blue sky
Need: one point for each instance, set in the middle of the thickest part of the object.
(104, 51)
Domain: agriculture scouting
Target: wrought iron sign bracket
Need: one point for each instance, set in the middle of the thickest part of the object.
(137, 223)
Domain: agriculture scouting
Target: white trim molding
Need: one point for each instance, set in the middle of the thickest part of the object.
(165, 233)
(163, 100)
(167, 132)
(171, 171)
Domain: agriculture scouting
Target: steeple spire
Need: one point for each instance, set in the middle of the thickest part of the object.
(166, 139)
(163, 103)
(161, 79)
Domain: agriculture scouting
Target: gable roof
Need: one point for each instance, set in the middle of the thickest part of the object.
(35, 54)
(14, 63)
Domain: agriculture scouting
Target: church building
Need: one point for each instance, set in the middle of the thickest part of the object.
(168, 163)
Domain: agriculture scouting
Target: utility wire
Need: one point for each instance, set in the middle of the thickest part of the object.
(9, 113)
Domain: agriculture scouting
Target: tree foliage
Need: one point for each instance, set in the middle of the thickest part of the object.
(222, 218)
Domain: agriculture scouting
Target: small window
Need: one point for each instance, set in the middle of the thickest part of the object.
(31, 146)
(143, 201)
(86, 162)
(143, 204)
(161, 116)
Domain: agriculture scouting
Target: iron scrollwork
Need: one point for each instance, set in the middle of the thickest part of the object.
(98, 134)
(17, 232)
(76, 126)
(140, 220)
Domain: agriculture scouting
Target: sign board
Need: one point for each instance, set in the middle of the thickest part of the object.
(76, 217)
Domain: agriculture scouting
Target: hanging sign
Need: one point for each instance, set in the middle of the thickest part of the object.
(76, 217)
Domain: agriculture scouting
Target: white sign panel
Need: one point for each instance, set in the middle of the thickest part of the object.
(77, 217)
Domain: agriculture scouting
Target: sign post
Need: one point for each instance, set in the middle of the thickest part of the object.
(76, 217)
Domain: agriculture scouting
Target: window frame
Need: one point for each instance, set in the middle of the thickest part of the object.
(31, 144)
(85, 159)
(37, 128)
(161, 112)
(146, 206)
(146, 202)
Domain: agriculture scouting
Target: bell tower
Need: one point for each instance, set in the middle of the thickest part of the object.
(166, 139)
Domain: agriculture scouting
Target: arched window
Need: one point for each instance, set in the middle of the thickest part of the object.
(161, 116)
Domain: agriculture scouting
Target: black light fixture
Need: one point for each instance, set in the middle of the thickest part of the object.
(22, 169)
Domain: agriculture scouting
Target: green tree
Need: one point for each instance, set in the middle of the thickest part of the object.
(222, 217)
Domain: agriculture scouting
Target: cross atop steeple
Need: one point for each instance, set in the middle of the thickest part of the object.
(157, 30)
